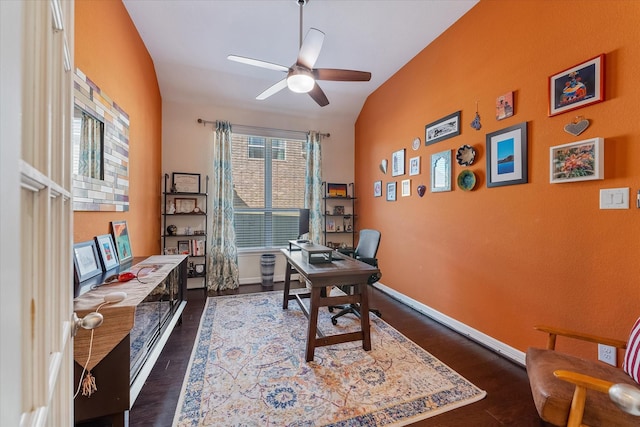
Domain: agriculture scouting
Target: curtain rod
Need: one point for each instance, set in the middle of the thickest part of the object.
(205, 122)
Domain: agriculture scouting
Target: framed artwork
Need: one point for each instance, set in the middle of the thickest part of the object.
(331, 225)
(107, 251)
(414, 166)
(441, 171)
(120, 233)
(406, 187)
(183, 247)
(507, 156)
(391, 191)
(85, 261)
(446, 127)
(337, 190)
(576, 87)
(186, 205)
(504, 106)
(182, 182)
(577, 161)
(397, 163)
(377, 189)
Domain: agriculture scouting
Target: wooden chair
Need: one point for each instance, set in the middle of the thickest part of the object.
(586, 393)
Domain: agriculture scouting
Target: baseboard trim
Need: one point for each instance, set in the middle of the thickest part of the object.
(485, 340)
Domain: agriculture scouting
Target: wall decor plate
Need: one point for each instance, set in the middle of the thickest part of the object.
(416, 143)
(466, 180)
(466, 155)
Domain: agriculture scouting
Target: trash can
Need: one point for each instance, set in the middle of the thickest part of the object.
(267, 265)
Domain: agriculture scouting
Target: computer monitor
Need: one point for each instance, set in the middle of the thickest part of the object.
(303, 222)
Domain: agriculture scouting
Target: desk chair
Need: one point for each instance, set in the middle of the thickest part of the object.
(366, 251)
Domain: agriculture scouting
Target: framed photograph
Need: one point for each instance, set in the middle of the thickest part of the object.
(507, 156)
(406, 187)
(338, 210)
(577, 86)
(414, 166)
(441, 171)
(337, 190)
(577, 161)
(331, 225)
(107, 251)
(186, 205)
(397, 163)
(120, 233)
(183, 247)
(446, 127)
(504, 106)
(391, 191)
(377, 189)
(85, 261)
(182, 182)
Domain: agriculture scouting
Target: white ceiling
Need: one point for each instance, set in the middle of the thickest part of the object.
(189, 41)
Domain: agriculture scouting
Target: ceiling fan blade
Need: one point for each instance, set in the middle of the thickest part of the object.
(257, 63)
(318, 95)
(272, 90)
(310, 49)
(338, 75)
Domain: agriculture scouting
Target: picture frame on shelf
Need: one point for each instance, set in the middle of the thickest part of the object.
(171, 251)
(331, 225)
(577, 87)
(183, 247)
(577, 161)
(414, 166)
(184, 182)
(441, 171)
(397, 163)
(86, 261)
(391, 191)
(406, 188)
(107, 252)
(338, 210)
(185, 205)
(444, 128)
(336, 190)
(377, 189)
(120, 233)
(507, 160)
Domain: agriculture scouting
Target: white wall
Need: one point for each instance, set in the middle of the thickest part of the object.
(186, 147)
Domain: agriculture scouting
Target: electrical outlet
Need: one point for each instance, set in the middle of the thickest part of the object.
(608, 354)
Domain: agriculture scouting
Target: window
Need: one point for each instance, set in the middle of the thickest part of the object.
(269, 180)
(88, 145)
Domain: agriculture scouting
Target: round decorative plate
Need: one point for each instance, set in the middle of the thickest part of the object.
(416, 143)
(466, 180)
(466, 155)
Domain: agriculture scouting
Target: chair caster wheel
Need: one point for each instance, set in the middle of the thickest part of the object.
(334, 321)
(330, 309)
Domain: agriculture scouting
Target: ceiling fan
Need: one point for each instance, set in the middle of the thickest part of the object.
(301, 76)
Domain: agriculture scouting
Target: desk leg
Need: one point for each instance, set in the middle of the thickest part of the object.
(364, 317)
(313, 324)
(287, 284)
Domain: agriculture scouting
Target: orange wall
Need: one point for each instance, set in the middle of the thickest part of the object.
(504, 259)
(109, 50)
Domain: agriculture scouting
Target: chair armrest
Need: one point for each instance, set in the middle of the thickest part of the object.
(554, 332)
(582, 380)
(370, 261)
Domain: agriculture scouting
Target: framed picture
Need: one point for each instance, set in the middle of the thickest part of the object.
(397, 163)
(107, 251)
(183, 247)
(406, 187)
(442, 129)
(337, 190)
(414, 166)
(441, 171)
(507, 156)
(186, 205)
(504, 106)
(377, 189)
(391, 191)
(182, 182)
(331, 225)
(338, 210)
(577, 86)
(85, 261)
(577, 161)
(120, 233)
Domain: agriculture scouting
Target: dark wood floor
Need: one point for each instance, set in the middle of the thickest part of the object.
(508, 401)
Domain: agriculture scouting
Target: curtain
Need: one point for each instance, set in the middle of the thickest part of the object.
(90, 157)
(313, 186)
(222, 257)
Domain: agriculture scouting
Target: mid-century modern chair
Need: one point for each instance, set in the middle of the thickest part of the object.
(368, 243)
(571, 391)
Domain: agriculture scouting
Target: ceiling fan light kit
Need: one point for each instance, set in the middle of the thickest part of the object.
(300, 80)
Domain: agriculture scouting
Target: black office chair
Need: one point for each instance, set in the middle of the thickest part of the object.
(366, 251)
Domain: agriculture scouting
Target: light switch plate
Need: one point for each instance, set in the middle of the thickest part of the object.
(614, 198)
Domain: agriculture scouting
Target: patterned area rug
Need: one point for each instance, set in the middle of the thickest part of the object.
(248, 368)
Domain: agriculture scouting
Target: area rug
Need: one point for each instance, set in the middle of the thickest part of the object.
(248, 368)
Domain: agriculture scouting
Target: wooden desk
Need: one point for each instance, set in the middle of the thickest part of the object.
(343, 272)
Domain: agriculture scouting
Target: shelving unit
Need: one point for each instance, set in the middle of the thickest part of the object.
(184, 229)
(339, 221)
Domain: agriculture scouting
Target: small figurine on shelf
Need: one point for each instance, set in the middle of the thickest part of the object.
(172, 208)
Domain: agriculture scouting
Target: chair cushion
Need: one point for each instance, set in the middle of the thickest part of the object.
(552, 396)
(632, 357)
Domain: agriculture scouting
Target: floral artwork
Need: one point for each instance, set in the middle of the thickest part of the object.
(577, 161)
